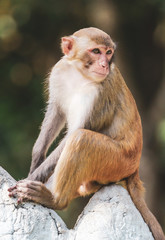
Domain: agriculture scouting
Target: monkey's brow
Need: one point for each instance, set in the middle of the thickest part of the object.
(102, 40)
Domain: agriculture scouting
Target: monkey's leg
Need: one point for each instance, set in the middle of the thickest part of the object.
(90, 157)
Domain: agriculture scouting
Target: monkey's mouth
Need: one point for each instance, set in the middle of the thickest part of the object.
(101, 74)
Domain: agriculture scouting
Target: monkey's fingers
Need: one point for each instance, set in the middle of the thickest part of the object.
(29, 188)
(13, 193)
(25, 194)
(21, 192)
(20, 200)
(11, 188)
(15, 186)
(29, 184)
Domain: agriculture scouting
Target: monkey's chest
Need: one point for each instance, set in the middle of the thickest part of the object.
(78, 107)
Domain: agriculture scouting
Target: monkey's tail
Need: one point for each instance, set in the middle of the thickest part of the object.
(135, 188)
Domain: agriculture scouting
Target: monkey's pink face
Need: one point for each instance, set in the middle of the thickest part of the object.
(100, 57)
(94, 58)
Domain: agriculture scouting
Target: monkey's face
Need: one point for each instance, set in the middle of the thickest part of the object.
(97, 62)
(92, 57)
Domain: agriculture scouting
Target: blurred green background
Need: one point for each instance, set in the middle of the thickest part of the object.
(30, 33)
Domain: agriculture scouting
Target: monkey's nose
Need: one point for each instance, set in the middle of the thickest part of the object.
(104, 65)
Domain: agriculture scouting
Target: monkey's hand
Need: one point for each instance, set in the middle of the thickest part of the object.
(14, 187)
(27, 190)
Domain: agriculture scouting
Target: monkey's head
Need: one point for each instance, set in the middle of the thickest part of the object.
(91, 51)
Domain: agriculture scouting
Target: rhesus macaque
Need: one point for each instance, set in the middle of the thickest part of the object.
(103, 142)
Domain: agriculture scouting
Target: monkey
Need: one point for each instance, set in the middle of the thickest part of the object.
(103, 141)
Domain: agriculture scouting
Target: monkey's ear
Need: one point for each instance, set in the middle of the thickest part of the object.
(67, 45)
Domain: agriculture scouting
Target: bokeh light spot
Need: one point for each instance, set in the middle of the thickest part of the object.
(8, 26)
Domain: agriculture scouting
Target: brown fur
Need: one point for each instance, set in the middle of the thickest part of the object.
(106, 149)
(96, 35)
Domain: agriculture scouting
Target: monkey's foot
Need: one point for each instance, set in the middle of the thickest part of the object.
(27, 190)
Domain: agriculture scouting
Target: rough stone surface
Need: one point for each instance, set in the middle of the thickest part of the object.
(109, 215)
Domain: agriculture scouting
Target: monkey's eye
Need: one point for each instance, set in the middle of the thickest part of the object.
(96, 51)
(109, 52)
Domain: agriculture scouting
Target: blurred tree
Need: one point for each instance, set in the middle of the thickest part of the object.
(30, 34)
(142, 34)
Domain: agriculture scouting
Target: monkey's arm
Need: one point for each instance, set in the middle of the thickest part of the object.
(44, 171)
(46, 168)
(52, 124)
